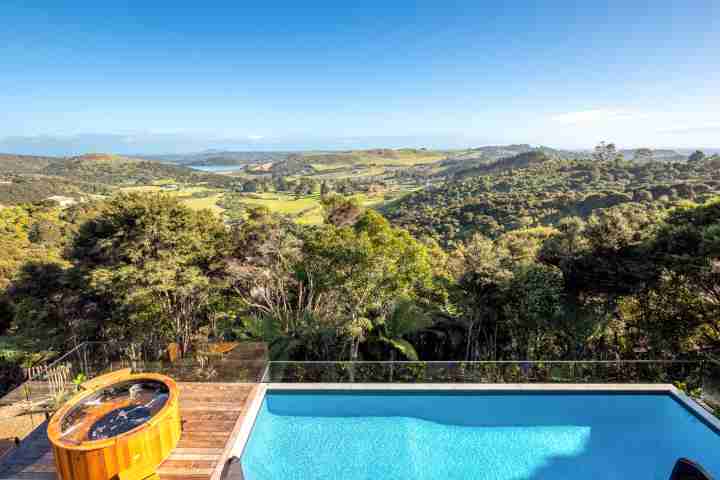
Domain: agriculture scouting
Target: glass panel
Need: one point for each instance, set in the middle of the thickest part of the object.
(56, 382)
(687, 372)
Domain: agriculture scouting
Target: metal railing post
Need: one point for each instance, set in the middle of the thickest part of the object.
(266, 370)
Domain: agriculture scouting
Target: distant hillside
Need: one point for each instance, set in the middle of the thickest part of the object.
(352, 161)
(362, 158)
(25, 179)
(658, 155)
(490, 152)
(348, 163)
(17, 189)
(10, 163)
(520, 160)
(543, 192)
(219, 158)
(378, 156)
(105, 168)
(496, 158)
(706, 151)
(118, 170)
(294, 164)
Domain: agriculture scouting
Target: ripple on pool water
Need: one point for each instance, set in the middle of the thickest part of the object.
(328, 446)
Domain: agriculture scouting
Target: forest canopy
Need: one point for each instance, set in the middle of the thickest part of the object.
(630, 281)
(533, 256)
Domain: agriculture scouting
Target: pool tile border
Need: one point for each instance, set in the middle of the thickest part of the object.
(678, 395)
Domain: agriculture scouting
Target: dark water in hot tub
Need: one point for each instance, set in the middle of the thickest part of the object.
(114, 410)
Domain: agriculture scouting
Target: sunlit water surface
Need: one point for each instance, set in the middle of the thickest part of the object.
(470, 435)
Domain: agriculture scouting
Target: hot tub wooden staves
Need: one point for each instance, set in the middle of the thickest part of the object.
(141, 449)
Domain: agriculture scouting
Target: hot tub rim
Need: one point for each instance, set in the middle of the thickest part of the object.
(54, 430)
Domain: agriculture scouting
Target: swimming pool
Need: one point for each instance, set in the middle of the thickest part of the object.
(474, 434)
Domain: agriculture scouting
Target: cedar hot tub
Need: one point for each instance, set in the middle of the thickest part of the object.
(121, 423)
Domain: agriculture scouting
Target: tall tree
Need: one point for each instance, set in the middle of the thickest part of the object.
(643, 155)
(153, 261)
(341, 211)
(324, 189)
(368, 265)
(696, 156)
(605, 152)
(534, 312)
(481, 274)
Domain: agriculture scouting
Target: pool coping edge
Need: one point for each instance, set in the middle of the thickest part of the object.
(695, 408)
(249, 421)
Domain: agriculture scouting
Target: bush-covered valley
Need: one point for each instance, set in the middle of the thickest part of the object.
(532, 256)
(539, 190)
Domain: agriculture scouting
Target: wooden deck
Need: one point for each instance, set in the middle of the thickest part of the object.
(211, 414)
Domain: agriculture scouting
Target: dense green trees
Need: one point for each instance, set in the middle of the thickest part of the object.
(635, 280)
(543, 192)
(654, 272)
(511, 305)
(138, 268)
(368, 266)
(28, 179)
(696, 156)
(605, 152)
(323, 292)
(154, 260)
(32, 188)
(524, 254)
(117, 170)
(32, 241)
(643, 155)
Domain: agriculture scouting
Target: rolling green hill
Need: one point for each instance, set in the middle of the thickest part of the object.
(19, 164)
(541, 191)
(117, 170)
(27, 179)
(219, 158)
(18, 189)
(353, 161)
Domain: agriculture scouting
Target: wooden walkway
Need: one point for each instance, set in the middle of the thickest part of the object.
(211, 414)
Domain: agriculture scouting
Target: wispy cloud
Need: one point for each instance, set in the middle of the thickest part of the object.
(596, 116)
(255, 137)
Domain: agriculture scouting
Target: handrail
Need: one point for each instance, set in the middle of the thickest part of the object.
(688, 373)
(266, 370)
(57, 361)
(44, 368)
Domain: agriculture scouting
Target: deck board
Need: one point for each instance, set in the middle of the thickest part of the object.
(210, 414)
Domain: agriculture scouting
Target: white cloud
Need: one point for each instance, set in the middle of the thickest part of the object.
(595, 116)
(255, 137)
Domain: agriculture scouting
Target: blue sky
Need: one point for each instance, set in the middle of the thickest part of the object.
(233, 74)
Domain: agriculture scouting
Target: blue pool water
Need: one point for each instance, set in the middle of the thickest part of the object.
(482, 436)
